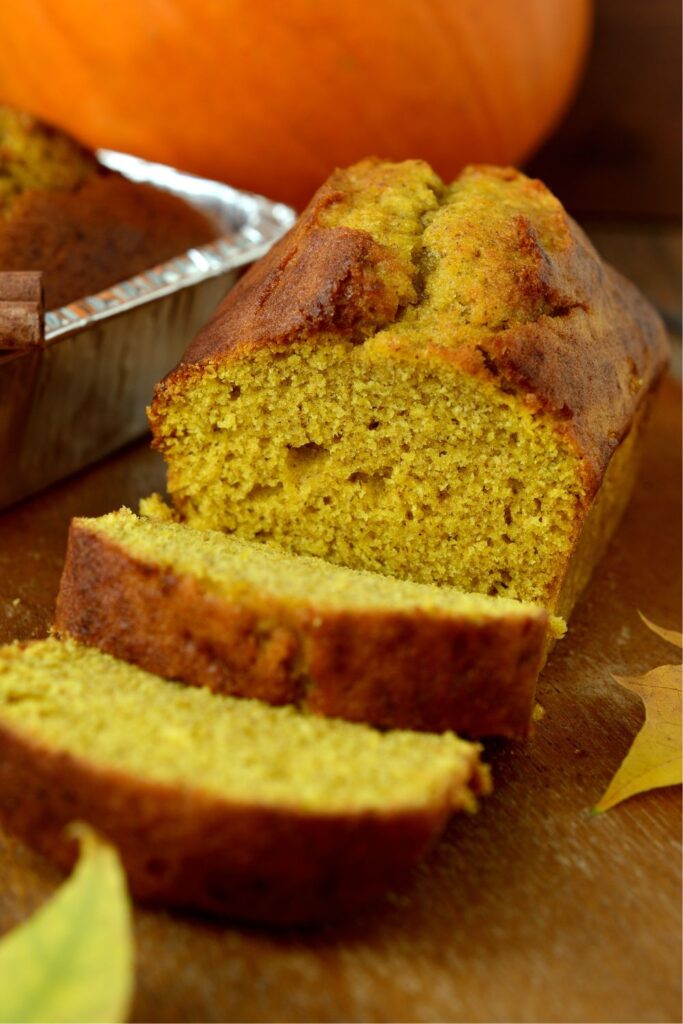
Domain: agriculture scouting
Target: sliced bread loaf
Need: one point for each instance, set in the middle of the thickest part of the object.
(231, 806)
(246, 619)
(443, 382)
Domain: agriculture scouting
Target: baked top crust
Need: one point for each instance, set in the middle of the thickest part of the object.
(490, 275)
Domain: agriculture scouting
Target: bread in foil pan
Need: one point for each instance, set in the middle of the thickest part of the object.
(84, 393)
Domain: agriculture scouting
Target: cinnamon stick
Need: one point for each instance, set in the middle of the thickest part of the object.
(21, 310)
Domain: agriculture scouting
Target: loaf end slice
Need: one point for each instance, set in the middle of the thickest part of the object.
(229, 806)
(250, 620)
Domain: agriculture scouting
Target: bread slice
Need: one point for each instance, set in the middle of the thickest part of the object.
(246, 619)
(443, 382)
(226, 805)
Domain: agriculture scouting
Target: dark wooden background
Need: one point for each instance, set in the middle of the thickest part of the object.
(615, 159)
(617, 154)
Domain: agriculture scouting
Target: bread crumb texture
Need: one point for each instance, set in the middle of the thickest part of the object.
(230, 567)
(356, 399)
(87, 705)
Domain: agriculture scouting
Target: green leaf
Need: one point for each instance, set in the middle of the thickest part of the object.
(73, 960)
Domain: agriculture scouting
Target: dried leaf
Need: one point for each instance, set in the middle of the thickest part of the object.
(656, 754)
(666, 634)
(73, 960)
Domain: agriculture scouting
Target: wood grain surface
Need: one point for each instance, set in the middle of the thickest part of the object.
(617, 152)
(532, 910)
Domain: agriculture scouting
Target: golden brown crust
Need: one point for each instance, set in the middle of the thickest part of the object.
(394, 670)
(603, 516)
(105, 230)
(314, 280)
(187, 849)
(590, 366)
(591, 350)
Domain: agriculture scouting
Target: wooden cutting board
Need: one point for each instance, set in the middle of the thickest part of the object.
(532, 910)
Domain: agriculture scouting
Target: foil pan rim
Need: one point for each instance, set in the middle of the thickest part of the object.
(263, 223)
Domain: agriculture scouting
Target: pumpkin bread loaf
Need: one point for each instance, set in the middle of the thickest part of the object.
(84, 226)
(246, 619)
(230, 806)
(444, 383)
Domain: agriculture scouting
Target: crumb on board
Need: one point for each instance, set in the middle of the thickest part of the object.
(538, 713)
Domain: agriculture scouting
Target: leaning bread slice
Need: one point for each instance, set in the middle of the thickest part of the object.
(247, 619)
(231, 806)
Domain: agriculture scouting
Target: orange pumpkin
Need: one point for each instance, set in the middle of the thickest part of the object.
(271, 94)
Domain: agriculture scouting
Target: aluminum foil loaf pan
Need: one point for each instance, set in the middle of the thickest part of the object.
(83, 395)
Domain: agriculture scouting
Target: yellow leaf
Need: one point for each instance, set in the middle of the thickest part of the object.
(655, 756)
(669, 635)
(73, 960)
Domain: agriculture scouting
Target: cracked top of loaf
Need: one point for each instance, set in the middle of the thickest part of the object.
(84, 226)
(489, 274)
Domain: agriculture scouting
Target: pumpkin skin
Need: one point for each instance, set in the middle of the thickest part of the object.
(270, 95)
